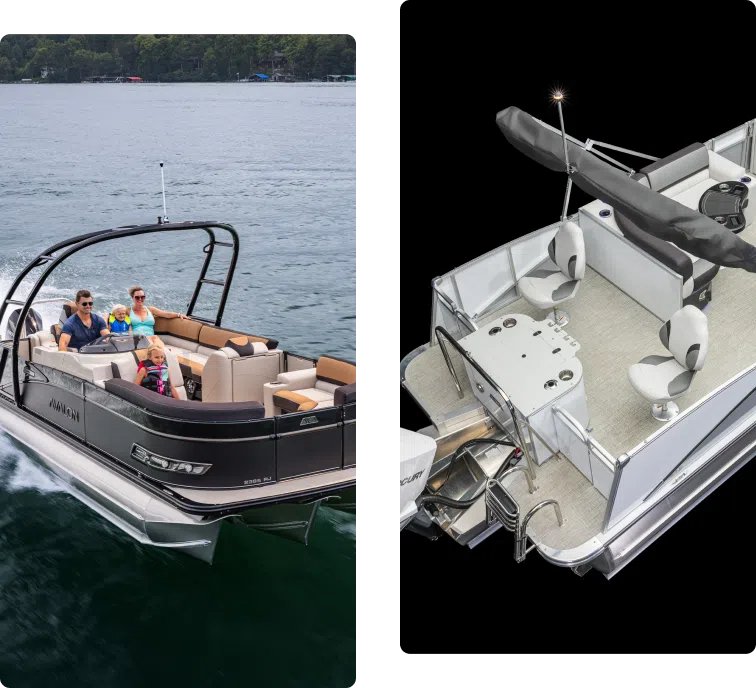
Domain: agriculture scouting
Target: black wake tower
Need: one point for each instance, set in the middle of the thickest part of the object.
(67, 248)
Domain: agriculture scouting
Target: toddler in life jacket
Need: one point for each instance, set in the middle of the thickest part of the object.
(119, 321)
(152, 373)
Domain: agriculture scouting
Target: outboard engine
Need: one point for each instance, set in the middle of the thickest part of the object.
(32, 324)
(416, 454)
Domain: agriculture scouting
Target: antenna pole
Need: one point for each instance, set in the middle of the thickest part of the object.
(558, 97)
(162, 179)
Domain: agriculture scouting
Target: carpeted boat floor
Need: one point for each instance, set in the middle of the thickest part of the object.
(614, 332)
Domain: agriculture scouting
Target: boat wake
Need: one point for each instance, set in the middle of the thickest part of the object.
(19, 472)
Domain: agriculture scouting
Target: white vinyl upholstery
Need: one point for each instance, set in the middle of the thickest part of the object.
(294, 380)
(556, 282)
(663, 378)
(688, 191)
(227, 376)
(178, 345)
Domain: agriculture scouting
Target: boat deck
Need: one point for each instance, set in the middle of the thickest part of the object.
(614, 332)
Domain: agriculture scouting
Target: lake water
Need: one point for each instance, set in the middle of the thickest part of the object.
(80, 603)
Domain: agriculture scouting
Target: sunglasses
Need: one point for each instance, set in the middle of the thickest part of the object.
(140, 298)
(87, 303)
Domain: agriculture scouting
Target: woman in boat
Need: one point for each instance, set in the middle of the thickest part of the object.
(153, 374)
(143, 316)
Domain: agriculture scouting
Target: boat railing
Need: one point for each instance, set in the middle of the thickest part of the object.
(656, 463)
(737, 145)
(463, 297)
(460, 317)
(582, 434)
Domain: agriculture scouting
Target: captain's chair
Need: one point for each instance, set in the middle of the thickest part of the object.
(558, 281)
(66, 312)
(663, 378)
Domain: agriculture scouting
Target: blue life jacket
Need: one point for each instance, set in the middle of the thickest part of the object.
(117, 325)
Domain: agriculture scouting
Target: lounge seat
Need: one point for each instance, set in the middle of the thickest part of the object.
(332, 382)
(683, 176)
(185, 410)
(688, 173)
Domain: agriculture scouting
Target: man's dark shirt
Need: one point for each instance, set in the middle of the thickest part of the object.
(80, 333)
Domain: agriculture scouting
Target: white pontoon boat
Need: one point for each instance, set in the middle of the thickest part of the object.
(589, 434)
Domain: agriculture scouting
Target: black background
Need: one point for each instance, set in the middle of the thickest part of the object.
(636, 77)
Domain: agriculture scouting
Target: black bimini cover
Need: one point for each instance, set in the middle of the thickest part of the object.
(656, 214)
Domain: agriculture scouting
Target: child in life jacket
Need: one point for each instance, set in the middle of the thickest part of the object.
(119, 321)
(152, 373)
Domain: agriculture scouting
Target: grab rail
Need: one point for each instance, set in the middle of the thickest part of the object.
(531, 487)
(487, 378)
(571, 420)
(521, 548)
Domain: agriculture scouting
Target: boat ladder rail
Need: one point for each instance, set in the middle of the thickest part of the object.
(501, 506)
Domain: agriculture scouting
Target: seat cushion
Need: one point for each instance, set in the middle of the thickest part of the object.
(660, 378)
(546, 287)
(293, 401)
(316, 395)
(686, 336)
(674, 168)
(691, 197)
(335, 371)
(189, 364)
(567, 250)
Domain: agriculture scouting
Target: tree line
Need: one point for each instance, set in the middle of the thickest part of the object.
(221, 57)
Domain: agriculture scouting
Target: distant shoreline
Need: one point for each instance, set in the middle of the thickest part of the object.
(165, 83)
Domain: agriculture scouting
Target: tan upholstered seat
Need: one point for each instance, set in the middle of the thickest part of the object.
(331, 382)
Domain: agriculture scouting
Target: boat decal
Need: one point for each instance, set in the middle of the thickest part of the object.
(308, 420)
(67, 411)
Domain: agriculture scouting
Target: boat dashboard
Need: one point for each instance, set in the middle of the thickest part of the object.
(116, 344)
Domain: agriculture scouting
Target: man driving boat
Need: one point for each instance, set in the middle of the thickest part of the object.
(84, 326)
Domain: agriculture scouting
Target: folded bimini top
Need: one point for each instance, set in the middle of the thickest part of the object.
(656, 214)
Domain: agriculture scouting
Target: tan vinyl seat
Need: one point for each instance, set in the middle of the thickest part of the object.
(331, 382)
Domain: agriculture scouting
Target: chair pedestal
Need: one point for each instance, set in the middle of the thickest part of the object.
(665, 412)
(558, 317)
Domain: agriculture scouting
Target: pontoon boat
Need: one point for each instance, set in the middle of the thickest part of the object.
(589, 434)
(259, 435)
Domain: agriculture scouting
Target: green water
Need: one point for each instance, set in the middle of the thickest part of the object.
(81, 604)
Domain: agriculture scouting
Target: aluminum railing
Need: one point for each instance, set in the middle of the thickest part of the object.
(450, 306)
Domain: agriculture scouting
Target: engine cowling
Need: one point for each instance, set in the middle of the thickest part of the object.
(416, 454)
(32, 323)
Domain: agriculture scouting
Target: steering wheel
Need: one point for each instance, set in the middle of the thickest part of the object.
(114, 343)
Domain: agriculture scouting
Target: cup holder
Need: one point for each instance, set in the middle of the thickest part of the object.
(745, 180)
(494, 330)
(550, 384)
(566, 375)
(724, 187)
(509, 322)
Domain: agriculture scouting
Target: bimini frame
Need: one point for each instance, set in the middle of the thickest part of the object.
(77, 243)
